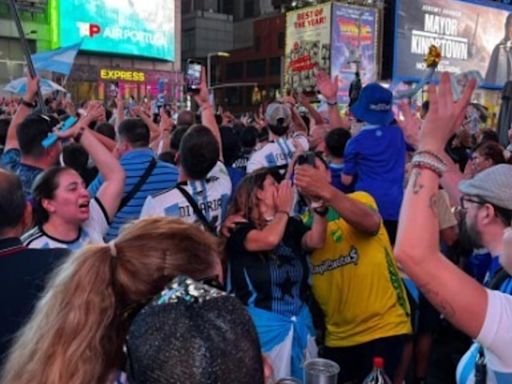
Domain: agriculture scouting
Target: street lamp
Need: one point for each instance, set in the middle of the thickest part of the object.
(208, 64)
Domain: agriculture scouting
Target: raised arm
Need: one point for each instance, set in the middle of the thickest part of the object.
(329, 89)
(23, 111)
(315, 115)
(355, 213)
(111, 191)
(154, 132)
(163, 142)
(120, 104)
(207, 112)
(417, 245)
(268, 238)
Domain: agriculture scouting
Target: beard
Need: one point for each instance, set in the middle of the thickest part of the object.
(469, 236)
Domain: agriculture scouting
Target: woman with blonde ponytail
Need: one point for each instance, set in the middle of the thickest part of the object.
(76, 333)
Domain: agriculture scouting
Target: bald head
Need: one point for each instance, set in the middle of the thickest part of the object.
(12, 201)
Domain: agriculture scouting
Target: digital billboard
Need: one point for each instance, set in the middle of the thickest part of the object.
(308, 46)
(128, 27)
(471, 37)
(354, 34)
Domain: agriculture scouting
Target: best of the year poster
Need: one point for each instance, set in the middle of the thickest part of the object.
(354, 35)
(471, 36)
(307, 46)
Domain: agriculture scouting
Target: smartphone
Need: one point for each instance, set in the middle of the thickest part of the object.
(307, 158)
(52, 138)
(193, 76)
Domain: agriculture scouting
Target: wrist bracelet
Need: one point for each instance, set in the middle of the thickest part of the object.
(426, 163)
(28, 104)
(332, 103)
(430, 153)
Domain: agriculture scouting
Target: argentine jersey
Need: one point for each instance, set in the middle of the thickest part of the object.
(356, 282)
(211, 194)
(91, 232)
(496, 336)
(277, 153)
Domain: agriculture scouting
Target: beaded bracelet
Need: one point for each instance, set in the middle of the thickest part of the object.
(432, 154)
(429, 162)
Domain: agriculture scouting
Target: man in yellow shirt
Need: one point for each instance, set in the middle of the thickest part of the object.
(355, 280)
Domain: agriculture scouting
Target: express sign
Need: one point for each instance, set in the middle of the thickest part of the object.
(117, 74)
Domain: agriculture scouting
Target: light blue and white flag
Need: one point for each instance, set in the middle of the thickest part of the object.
(59, 60)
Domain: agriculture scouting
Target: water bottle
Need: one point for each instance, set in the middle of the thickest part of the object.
(377, 375)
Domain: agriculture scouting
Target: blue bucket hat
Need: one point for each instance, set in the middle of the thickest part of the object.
(374, 105)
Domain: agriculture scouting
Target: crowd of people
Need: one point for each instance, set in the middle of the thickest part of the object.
(174, 247)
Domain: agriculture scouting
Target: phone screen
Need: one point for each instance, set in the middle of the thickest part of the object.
(193, 77)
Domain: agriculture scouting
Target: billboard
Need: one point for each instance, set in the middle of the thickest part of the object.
(308, 46)
(128, 27)
(471, 37)
(354, 34)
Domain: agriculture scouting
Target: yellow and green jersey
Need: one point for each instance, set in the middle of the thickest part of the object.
(356, 283)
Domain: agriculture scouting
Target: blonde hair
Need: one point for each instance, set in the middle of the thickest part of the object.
(76, 332)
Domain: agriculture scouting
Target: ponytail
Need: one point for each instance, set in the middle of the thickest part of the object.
(78, 328)
(69, 338)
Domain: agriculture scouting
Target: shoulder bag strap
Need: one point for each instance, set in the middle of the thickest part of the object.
(199, 214)
(136, 188)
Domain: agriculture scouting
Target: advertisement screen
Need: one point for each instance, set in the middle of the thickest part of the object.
(308, 46)
(354, 36)
(470, 36)
(129, 27)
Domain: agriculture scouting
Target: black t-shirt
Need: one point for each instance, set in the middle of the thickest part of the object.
(276, 280)
(23, 274)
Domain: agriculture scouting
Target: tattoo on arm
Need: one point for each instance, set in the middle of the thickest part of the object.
(433, 204)
(442, 304)
(417, 186)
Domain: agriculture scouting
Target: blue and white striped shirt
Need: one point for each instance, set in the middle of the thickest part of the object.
(134, 163)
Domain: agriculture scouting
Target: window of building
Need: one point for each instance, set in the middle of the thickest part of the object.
(248, 9)
(274, 66)
(256, 68)
(228, 7)
(257, 43)
(234, 71)
(234, 96)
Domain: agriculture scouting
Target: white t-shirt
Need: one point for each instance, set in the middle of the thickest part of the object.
(275, 153)
(211, 194)
(496, 337)
(91, 232)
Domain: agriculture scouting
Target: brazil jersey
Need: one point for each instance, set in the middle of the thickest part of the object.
(356, 283)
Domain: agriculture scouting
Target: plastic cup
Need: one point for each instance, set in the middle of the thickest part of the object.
(321, 371)
(288, 380)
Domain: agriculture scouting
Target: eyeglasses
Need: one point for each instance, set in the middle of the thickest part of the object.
(467, 199)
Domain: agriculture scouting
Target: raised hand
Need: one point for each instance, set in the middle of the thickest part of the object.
(312, 181)
(201, 98)
(285, 196)
(444, 115)
(327, 87)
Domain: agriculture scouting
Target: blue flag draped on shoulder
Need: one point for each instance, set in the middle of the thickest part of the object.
(60, 60)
